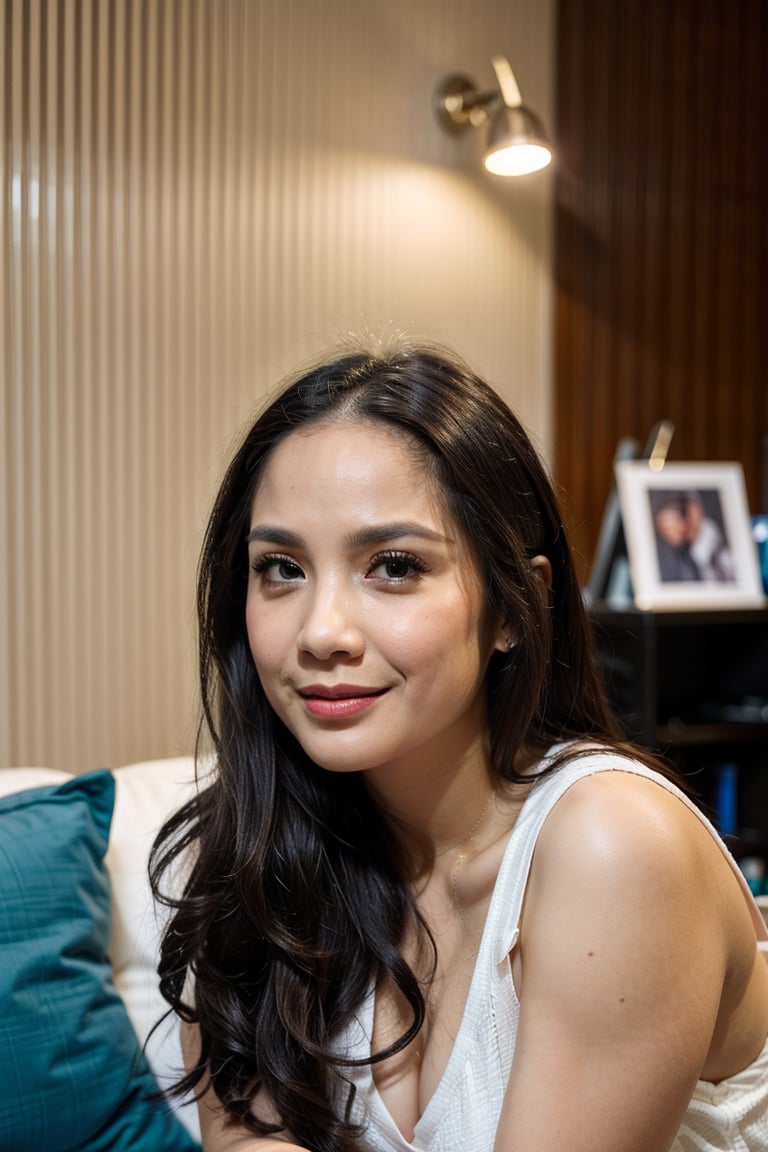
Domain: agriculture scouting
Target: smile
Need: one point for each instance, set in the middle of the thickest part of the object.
(339, 702)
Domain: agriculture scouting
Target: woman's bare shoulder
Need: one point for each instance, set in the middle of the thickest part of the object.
(618, 813)
(626, 838)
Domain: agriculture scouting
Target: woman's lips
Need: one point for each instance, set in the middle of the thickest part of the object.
(339, 703)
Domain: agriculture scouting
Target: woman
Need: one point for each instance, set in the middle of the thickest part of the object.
(435, 903)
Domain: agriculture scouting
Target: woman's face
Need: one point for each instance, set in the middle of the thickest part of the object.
(365, 610)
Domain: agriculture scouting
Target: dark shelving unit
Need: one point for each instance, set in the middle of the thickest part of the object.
(693, 686)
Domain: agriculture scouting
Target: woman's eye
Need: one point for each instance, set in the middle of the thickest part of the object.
(277, 569)
(397, 567)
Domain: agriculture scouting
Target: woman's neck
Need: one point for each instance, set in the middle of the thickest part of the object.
(441, 809)
(437, 809)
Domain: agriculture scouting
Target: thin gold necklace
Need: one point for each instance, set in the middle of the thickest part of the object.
(473, 829)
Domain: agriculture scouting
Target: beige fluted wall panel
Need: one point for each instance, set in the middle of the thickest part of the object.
(196, 196)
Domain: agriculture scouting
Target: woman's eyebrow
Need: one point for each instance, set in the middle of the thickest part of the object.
(360, 538)
(278, 536)
(381, 533)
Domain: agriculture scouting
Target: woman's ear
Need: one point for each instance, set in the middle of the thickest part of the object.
(543, 569)
(507, 636)
(506, 640)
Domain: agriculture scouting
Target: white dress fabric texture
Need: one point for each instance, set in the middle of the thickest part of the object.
(463, 1113)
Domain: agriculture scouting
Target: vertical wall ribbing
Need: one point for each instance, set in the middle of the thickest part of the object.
(195, 196)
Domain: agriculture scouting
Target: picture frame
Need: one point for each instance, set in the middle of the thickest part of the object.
(609, 578)
(689, 536)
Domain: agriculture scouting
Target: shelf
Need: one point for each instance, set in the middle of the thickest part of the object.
(682, 735)
(689, 685)
(601, 612)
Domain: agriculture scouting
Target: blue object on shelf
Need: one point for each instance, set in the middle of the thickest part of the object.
(727, 800)
(760, 535)
(753, 869)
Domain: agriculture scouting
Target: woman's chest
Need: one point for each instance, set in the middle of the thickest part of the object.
(448, 1096)
(408, 1080)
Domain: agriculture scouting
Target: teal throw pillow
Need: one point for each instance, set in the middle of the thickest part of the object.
(73, 1077)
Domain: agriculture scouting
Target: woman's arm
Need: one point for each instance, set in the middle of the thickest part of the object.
(625, 953)
(217, 1135)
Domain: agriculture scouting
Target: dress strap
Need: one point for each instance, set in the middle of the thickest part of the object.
(506, 906)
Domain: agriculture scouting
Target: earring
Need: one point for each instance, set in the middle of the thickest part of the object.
(510, 643)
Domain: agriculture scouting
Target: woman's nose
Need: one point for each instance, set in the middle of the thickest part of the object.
(330, 626)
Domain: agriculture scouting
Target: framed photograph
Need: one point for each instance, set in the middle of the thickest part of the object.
(689, 536)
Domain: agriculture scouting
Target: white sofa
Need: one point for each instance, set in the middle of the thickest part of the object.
(145, 795)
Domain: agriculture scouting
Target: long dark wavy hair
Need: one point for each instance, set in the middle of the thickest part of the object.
(295, 898)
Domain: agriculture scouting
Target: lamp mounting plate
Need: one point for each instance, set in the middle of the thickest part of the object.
(459, 104)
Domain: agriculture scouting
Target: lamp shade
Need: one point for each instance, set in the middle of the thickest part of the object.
(517, 142)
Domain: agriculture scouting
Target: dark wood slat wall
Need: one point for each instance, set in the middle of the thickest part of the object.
(661, 238)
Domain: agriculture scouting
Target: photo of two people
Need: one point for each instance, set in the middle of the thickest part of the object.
(691, 540)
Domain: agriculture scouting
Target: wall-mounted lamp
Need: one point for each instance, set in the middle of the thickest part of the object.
(517, 142)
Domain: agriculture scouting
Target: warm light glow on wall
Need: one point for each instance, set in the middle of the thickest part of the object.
(184, 223)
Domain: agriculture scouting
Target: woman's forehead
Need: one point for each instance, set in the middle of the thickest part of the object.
(340, 441)
(351, 459)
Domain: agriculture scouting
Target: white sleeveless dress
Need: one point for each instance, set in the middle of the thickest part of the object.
(463, 1113)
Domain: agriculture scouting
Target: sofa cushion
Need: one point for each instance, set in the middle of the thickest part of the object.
(72, 1070)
